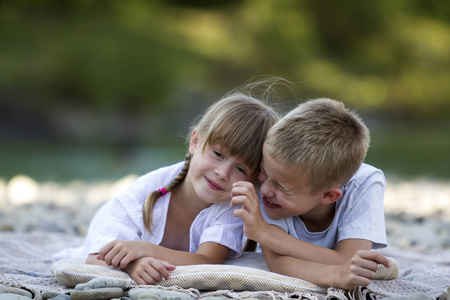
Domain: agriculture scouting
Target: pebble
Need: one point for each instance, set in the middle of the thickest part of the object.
(49, 294)
(10, 296)
(223, 297)
(102, 282)
(102, 293)
(13, 290)
(154, 293)
(61, 297)
(445, 295)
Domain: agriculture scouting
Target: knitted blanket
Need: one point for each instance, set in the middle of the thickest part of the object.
(25, 261)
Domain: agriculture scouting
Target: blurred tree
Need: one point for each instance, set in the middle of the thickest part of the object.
(132, 60)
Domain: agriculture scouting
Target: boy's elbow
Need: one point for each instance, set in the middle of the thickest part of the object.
(274, 268)
(273, 262)
(279, 264)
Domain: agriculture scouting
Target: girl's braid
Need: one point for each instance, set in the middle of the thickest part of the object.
(150, 202)
(180, 177)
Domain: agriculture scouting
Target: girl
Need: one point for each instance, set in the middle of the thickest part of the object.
(181, 214)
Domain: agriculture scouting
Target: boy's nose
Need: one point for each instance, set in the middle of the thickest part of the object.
(265, 188)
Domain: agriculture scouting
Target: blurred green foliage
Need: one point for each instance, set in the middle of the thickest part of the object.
(137, 70)
(136, 54)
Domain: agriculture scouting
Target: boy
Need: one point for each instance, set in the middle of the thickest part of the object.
(323, 208)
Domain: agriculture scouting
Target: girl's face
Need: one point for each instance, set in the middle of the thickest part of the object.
(213, 171)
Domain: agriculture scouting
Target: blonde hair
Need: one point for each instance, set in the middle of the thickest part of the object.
(239, 123)
(322, 140)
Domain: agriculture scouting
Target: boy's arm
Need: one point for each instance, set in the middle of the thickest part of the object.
(277, 240)
(358, 270)
(280, 242)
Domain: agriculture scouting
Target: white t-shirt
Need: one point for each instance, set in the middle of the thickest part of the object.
(121, 219)
(359, 213)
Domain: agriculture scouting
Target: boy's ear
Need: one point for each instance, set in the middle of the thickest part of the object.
(193, 142)
(331, 195)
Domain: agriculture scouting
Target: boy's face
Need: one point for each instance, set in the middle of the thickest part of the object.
(285, 193)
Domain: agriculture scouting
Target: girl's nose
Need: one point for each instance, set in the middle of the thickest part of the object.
(223, 171)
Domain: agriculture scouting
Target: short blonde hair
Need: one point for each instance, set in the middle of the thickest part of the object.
(322, 140)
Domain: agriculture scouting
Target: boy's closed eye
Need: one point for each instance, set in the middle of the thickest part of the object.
(276, 184)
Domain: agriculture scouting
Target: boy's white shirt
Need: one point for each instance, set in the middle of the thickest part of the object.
(359, 213)
(121, 219)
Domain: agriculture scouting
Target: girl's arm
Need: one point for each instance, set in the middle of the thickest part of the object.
(145, 270)
(119, 254)
(207, 253)
(93, 260)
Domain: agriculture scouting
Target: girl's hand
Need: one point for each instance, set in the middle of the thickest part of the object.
(149, 270)
(244, 193)
(119, 254)
(359, 269)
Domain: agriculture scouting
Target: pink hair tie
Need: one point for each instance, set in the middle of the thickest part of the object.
(163, 191)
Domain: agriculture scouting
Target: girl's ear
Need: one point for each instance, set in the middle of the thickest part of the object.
(193, 142)
(331, 195)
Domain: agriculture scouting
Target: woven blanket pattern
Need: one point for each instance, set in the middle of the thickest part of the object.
(423, 271)
(25, 260)
(70, 272)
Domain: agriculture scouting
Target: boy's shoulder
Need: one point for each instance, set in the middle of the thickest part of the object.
(366, 170)
(366, 175)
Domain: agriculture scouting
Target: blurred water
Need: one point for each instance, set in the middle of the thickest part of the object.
(60, 162)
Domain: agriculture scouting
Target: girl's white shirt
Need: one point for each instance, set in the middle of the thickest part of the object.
(121, 219)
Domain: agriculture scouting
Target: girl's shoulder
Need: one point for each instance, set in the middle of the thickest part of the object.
(163, 175)
(219, 212)
(154, 180)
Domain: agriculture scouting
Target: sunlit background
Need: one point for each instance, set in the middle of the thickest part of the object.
(95, 93)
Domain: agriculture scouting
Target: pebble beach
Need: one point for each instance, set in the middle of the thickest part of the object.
(417, 211)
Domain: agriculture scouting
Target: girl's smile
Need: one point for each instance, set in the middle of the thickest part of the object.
(213, 185)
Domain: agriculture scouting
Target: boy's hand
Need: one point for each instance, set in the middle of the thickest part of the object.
(149, 270)
(244, 193)
(119, 254)
(359, 269)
